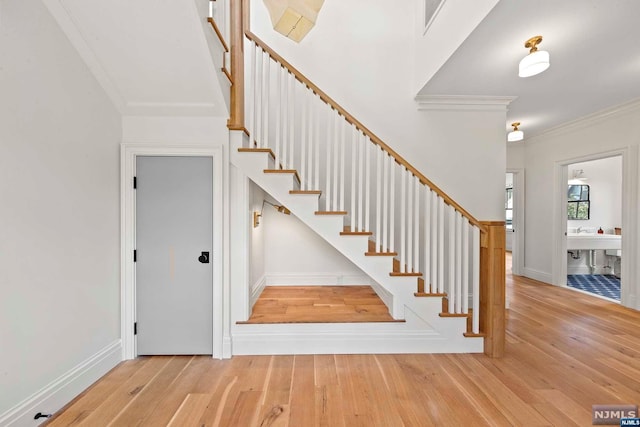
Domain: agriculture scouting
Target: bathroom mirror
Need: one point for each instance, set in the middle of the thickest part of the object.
(578, 206)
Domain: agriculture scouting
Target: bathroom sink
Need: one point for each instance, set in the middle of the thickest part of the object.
(586, 241)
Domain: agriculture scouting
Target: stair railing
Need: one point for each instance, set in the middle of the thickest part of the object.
(430, 235)
(307, 131)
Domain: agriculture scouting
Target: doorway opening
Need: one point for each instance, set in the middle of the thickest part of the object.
(594, 226)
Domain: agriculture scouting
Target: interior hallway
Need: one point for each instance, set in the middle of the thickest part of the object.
(565, 351)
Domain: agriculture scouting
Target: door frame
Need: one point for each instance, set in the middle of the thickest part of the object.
(517, 247)
(128, 154)
(629, 272)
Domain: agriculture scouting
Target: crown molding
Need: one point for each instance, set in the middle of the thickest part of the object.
(588, 120)
(463, 102)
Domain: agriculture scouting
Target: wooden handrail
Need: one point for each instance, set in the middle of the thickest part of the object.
(219, 34)
(352, 120)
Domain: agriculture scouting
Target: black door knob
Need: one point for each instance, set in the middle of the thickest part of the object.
(204, 257)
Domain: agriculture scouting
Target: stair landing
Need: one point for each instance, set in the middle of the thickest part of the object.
(319, 304)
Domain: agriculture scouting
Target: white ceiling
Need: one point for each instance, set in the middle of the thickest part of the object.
(595, 60)
(145, 66)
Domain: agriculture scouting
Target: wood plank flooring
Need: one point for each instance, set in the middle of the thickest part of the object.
(319, 304)
(565, 352)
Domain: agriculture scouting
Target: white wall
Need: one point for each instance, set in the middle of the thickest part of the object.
(295, 254)
(257, 239)
(367, 66)
(59, 186)
(616, 129)
(453, 23)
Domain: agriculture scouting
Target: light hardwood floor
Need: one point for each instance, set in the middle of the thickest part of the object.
(319, 304)
(565, 352)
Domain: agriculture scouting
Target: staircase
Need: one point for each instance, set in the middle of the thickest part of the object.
(354, 191)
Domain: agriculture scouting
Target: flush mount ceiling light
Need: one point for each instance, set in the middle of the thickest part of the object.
(293, 18)
(536, 61)
(515, 134)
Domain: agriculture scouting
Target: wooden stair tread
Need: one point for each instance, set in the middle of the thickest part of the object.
(293, 171)
(427, 294)
(400, 274)
(257, 150)
(472, 335)
(356, 233)
(330, 212)
(453, 315)
(318, 192)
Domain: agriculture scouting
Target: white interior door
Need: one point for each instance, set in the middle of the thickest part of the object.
(174, 274)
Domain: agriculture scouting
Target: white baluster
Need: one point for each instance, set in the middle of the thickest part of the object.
(327, 197)
(265, 101)
(416, 221)
(475, 281)
(458, 262)
(433, 222)
(428, 220)
(252, 95)
(392, 204)
(258, 126)
(451, 258)
(303, 140)
(362, 151)
(343, 142)
(310, 99)
(278, 113)
(410, 266)
(465, 265)
(378, 196)
(318, 112)
(385, 202)
(368, 148)
(354, 163)
(403, 215)
(292, 118)
(336, 146)
(441, 220)
(280, 162)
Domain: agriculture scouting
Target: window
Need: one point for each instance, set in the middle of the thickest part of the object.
(578, 202)
(508, 207)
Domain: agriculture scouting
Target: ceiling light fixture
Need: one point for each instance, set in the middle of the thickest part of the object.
(515, 134)
(536, 61)
(293, 18)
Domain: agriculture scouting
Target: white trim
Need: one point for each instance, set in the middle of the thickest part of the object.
(257, 289)
(538, 275)
(52, 397)
(588, 120)
(128, 154)
(316, 279)
(517, 249)
(432, 18)
(463, 102)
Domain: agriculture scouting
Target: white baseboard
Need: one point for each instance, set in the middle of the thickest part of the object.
(62, 390)
(257, 289)
(385, 296)
(321, 279)
(538, 275)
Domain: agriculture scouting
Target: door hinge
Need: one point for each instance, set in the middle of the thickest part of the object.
(135, 182)
(135, 328)
(135, 255)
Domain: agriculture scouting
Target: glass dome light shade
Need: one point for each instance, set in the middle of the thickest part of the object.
(534, 63)
(516, 135)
